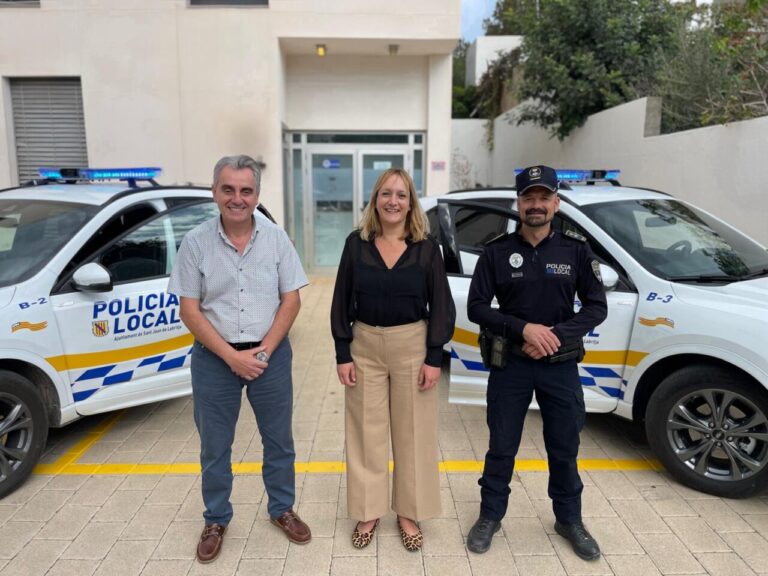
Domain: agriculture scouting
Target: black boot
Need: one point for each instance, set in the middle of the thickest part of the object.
(583, 544)
(481, 534)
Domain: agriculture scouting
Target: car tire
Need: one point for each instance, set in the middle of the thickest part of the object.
(23, 430)
(709, 427)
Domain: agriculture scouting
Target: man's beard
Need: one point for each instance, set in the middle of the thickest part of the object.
(541, 219)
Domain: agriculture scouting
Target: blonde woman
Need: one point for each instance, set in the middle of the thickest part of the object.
(392, 313)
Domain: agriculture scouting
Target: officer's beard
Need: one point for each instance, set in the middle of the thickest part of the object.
(536, 218)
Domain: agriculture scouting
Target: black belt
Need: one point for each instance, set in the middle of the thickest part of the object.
(244, 345)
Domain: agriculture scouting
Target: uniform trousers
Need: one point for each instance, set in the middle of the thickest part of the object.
(217, 394)
(561, 401)
(387, 364)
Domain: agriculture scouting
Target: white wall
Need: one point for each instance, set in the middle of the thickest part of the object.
(178, 86)
(339, 92)
(470, 157)
(722, 169)
(484, 51)
(438, 153)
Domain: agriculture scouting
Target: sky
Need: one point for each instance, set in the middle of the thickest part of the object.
(473, 12)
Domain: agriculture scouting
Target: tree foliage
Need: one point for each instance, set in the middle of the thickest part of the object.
(583, 56)
(709, 65)
(719, 73)
(476, 101)
(464, 98)
(509, 17)
(460, 62)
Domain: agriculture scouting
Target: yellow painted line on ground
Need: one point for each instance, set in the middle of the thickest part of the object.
(449, 466)
(73, 454)
(67, 464)
(90, 359)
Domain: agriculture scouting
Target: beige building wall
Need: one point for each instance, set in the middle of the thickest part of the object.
(470, 155)
(722, 169)
(318, 88)
(178, 86)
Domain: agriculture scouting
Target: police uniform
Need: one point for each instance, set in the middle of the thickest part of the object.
(536, 285)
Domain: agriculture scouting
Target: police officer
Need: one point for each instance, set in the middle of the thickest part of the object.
(535, 274)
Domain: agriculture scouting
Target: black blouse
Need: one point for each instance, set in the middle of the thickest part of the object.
(415, 288)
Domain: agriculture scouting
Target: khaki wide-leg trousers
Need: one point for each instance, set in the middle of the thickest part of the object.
(387, 363)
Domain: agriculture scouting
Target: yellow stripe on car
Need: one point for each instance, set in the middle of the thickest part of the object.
(619, 357)
(90, 359)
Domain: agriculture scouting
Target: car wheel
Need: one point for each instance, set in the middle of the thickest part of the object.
(708, 426)
(23, 430)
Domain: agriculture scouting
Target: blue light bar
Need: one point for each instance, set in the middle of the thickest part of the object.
(582, 175)
(120, 173)
(50, 173)
(99, 173)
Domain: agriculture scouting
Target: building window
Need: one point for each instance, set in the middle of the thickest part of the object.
(228, 2)
(20, 3)
(48, 124)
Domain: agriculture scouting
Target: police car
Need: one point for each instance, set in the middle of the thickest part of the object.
(684, 346)
(86, 324)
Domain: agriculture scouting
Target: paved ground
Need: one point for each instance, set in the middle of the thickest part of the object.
(119, 494)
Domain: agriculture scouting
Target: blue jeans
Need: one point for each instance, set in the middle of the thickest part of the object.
(216, 393)
(561, 401)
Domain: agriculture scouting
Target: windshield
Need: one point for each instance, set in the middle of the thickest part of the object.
(32, 232)
(678, 242)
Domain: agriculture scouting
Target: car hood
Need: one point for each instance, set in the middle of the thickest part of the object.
(748, 297)
(6, 295)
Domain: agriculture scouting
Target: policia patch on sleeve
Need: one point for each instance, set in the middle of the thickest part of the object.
(596, 270)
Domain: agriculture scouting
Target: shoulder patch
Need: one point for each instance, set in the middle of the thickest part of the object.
(596, 270)
(575, 235)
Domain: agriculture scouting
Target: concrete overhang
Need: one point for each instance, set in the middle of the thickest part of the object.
(368, 46)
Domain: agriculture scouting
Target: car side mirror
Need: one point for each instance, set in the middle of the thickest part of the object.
(609, 276)
(92, 277)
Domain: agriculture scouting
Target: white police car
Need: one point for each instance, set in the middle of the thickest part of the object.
(86, 325)
(684, 347)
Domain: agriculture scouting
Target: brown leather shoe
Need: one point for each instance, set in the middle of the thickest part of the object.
(210, 543)
(293, 526)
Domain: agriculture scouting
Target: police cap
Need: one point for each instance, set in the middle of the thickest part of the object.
(543, 176)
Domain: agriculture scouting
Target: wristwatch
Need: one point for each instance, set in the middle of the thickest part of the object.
(262, 356)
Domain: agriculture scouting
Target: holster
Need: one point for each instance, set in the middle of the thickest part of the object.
(493, 348)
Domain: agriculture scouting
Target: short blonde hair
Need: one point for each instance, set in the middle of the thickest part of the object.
(416, 224)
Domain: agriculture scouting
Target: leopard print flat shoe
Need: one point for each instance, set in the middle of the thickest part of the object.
(362, 539)
(411, 542)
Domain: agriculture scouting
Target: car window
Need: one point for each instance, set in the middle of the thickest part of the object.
(175, 201)
(182, 221)
(563, 224)
(678, 242)
(476, 227)
(150, 250)
(32, 232)
(111, 229)
(434, 225)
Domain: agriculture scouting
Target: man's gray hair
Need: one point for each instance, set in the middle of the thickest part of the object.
(238, 162)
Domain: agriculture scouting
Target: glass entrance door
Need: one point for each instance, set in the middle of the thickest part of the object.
(333, 205)
(341, 185)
